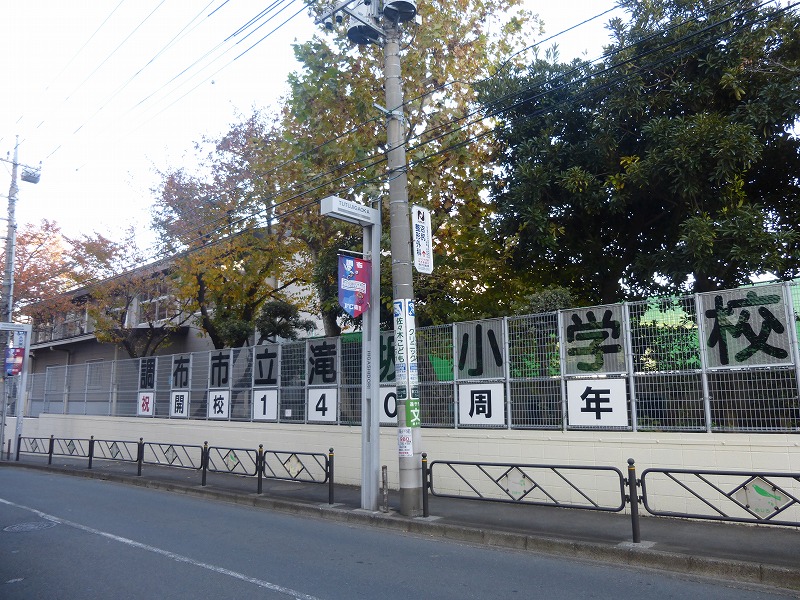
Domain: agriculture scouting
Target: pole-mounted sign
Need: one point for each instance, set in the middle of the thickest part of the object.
(422, 239)
(361, 277)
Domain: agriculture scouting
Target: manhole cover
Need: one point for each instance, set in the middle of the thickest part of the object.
(34, 526)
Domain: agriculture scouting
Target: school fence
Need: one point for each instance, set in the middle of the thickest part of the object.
(712, 362)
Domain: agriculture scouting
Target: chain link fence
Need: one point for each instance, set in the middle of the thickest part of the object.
(721, 361)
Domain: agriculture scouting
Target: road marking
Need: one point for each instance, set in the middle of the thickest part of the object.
(166, 553)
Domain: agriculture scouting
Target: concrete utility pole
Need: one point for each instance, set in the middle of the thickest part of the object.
(371, 21)
(11, 238)
(30, 175)
(402, 280)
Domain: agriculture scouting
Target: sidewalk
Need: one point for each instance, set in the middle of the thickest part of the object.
(756, 554)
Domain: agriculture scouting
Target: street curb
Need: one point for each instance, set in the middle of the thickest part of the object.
(643, 557)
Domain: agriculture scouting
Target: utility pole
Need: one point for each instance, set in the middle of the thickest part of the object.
(370, 22)
(408, 415)
(11, 238)
(30, 175)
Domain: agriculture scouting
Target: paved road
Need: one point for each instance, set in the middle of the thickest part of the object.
(72, 538)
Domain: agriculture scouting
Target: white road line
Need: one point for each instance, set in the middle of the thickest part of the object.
(176, 557)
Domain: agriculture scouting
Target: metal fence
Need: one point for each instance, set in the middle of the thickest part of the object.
(731, 496)
(261, 463)
(721, 361)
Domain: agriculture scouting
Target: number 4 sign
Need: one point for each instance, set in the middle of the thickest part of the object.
(322, 405)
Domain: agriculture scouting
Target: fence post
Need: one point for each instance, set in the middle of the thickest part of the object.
(91, 450)
(204, 461)
(425, 510)
(19, 445)
(50, 450)
(260, 467)
(330, 476)
(140, 457)
(385, 488)
(633, 498)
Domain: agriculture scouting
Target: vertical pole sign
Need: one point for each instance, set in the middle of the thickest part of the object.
(406, 375)
(370, 220)
(423, 239)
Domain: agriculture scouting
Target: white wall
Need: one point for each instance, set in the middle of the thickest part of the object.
(729, 451)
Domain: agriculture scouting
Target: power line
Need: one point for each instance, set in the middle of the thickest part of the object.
(517, 103)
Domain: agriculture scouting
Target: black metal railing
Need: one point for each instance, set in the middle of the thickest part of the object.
(183, 456)
(734, 496)
(536, 484)
(287, 465)
(559, 486)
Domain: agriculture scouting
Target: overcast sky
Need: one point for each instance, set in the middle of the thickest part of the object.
(104, 91)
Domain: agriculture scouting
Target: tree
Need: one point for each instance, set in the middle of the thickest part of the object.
(336, 139)
(131, 306)
(279, 319)
(668, 166)
(232, 254)
(42, 270)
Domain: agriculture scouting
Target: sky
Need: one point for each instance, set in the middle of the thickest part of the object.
(106, 92)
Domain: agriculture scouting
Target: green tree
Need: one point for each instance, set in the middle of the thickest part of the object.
(279, 319)
(337, 139)
(668, 166)
(232, 255)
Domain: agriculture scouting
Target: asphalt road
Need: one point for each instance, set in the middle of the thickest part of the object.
(73, 538)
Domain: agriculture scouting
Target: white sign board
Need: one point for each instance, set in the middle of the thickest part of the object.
(265, 404)
(422, 239)
(219, 404)
(597, 402)
(349, 211)
(388, 406)
(481, 404)
(146, 404)
(405, 442)
(179, 404)
(322, 405)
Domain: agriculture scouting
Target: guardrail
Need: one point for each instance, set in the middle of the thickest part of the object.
(287, 465)
(734, 496)
(535, 484)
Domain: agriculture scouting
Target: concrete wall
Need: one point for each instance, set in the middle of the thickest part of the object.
(726, 452)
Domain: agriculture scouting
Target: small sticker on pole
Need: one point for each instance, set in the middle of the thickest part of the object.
(405, 444)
